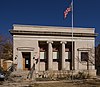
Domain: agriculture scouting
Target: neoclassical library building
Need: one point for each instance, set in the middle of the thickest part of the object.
(54, 48)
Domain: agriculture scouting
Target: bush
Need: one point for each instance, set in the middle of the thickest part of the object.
(62, 76)
(81, 75)
(2, 70)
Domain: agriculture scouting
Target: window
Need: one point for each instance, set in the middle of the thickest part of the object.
(42, 55)
(55, 55)
(84, 56)
(68, 55)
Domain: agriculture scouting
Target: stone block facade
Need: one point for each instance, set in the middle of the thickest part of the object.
(53, 48)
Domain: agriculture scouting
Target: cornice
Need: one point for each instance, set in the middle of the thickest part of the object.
(46, 33)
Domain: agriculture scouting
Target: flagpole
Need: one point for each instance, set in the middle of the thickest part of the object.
(72, 39)
(71, 8)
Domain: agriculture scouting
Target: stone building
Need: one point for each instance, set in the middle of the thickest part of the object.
(51, 48)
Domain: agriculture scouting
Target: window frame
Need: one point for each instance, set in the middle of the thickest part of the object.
(45, 55)
(83, 50)
(55, 49)
(84, 56)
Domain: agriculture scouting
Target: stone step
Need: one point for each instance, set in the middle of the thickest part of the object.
(20, 74)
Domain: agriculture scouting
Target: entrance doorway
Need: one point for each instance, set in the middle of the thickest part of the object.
(26, 60)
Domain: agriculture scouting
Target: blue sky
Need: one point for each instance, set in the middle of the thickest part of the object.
(48, 12)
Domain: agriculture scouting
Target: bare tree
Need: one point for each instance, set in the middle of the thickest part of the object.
(5, 48)
(98, 58)
(7, 51)
(89, 58)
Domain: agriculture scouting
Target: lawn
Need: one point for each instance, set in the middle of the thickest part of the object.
(78, 83)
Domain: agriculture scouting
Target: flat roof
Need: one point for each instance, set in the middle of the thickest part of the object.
(35, 28)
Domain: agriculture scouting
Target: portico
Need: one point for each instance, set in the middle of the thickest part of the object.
(56, 55)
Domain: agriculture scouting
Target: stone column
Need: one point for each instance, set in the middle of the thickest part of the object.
(63, 54)
(50, 60)
(20, 61)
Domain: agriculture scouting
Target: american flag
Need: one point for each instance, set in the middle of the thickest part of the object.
(67, 11)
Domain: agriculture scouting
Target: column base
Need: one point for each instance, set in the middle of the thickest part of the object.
(63, 69)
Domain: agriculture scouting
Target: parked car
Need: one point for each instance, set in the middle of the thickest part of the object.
(2, 75)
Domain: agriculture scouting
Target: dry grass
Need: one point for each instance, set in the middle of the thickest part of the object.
(68, 84)
(78, 83)
(62, 83)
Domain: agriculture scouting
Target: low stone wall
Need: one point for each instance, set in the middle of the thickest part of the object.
(55, 75)
(58, 74)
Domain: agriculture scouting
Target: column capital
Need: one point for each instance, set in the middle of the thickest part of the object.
(63, 42)
(49, 42)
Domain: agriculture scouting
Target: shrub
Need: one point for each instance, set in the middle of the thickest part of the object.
(81, 75)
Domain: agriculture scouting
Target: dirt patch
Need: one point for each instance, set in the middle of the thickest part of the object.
(66, 83)
(50, 84)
